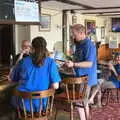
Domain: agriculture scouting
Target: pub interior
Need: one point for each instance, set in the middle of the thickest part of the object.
(53, 19)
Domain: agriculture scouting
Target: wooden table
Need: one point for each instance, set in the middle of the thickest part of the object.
(6, 110)
(4, 85)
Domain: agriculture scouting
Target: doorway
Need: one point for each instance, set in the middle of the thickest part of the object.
(7, 46)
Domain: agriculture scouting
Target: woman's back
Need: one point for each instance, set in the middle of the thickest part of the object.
(35, 78)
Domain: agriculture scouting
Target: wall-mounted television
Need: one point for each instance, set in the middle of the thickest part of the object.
(19, 12)
(6, 10)
(115, 24)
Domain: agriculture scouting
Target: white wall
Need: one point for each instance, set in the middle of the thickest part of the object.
(55, 33)
(21, 33)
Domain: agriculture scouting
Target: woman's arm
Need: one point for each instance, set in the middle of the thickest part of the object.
(111, 67)
(55, 85)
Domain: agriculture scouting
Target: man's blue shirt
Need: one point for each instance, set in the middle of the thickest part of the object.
(86, 51)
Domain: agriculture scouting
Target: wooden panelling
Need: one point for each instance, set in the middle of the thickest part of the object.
(105, 53)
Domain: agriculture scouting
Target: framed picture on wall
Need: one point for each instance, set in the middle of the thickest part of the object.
(45, 22)
(90, 26)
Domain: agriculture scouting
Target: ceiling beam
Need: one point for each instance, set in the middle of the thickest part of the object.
(99, 8)
(45, 0)
(100, 12)
(109, 15)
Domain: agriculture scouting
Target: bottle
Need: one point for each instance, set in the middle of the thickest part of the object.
(11, 60)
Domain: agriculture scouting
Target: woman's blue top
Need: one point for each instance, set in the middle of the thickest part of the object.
(35, 78)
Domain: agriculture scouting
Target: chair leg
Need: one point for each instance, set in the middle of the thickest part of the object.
(109, 92)
(87, 111)
(56, 114)
(82, 114)
(99, 98)
(71, 113)
(103, 97)
(117, 95)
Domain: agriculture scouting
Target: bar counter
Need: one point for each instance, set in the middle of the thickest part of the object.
(6, 110)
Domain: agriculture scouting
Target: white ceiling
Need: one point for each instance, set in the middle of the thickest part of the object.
(99, 3)
(96, 5)
(59, 5)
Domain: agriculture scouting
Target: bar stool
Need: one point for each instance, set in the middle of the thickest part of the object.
(110, 95)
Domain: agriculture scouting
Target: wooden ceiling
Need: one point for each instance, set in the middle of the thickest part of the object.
(94, 7)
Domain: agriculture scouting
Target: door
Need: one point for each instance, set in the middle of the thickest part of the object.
(7, 46)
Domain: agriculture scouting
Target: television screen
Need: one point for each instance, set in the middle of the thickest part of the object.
(18, 11)
(6, 10)
(26, 11)
(115, 24)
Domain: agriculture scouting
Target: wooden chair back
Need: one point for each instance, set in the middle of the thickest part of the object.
(75, 88)
(49, 94)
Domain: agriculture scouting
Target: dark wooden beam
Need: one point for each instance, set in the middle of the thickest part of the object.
(101, 12)
(44, 0)
(109, 15)
(21, 23)
(75, 3)
(99, 8)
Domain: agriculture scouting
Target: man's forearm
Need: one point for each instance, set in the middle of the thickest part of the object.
(114, 71)
(19, 58)
(86, 64)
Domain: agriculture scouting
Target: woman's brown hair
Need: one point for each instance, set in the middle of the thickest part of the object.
(39, 44)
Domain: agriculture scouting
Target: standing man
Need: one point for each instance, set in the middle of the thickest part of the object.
(84, 58)
(25, 51)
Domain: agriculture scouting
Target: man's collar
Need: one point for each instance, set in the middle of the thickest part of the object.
(82, 41)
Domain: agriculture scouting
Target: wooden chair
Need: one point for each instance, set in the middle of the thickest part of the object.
(110, 95)
(24, 115)
(75, 89)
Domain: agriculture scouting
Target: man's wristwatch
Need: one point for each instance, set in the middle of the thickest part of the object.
(74, 64)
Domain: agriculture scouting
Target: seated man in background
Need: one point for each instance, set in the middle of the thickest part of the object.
(112, 73)
(25, 51)
(36, 72)
(115, 71)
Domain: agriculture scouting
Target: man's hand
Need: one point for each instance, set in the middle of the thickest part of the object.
(118, 77)
(69, 64)
(25, 51)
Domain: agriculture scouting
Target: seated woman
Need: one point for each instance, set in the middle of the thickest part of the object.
(36, 72)
(115, 71)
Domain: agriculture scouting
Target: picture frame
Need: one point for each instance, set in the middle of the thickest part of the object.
(45, 22)
(90, 26)
(102, 32)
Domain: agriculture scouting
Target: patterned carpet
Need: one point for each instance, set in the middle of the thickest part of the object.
(111, 111)
(108, 112)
